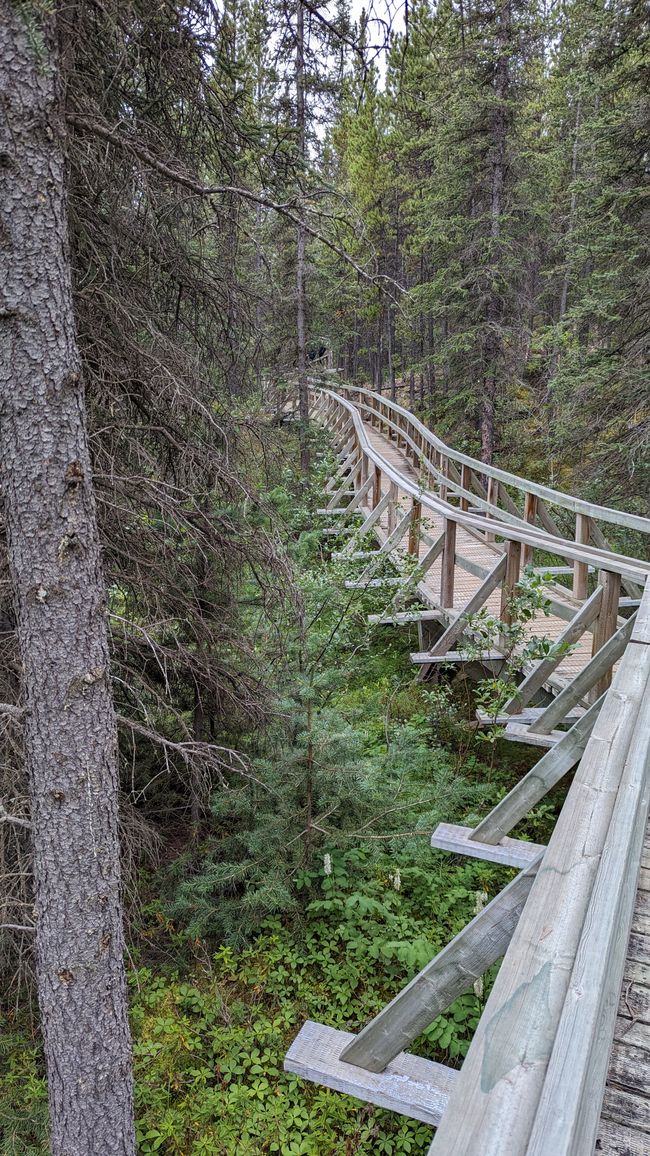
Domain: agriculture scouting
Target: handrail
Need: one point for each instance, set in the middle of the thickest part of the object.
(556, 497)
(631, 568)
(534, 1076)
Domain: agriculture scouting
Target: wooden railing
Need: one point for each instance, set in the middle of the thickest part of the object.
(493, 518)
(533, 1079)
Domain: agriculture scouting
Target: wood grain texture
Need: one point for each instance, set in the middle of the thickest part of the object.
(463, 841)
(410, 1085)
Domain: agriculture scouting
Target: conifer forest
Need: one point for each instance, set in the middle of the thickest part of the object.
(247, 248)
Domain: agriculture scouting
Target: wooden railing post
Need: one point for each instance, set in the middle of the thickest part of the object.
(606, 624)
(510, 580)
(448, 564)
(392, 507)
(364, 468)
(530, 515)
(581, 569)
(443, 465)
(493, 499)
(466, 483)
(376, 487)
(414, 528)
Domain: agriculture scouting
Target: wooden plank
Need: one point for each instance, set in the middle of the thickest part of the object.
(450, 974)
(617, 1140)
(463, 841)
(635, 1001)
(627, 1108)
(641, 631)
(517, 733)
(629, 1067)
(550, 769)
(426, 658)
(410, 1085)
(400, 619)
(540, 674)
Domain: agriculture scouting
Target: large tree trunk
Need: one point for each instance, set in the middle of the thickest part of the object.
(59, 590)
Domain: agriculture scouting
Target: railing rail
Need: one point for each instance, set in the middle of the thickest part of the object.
(503, 525)
(533, 1080)
(379, 405)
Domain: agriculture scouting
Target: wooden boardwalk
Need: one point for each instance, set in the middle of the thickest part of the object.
(473, 548)
(560, 1061)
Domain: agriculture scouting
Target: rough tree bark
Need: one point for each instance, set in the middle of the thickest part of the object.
(45, 476)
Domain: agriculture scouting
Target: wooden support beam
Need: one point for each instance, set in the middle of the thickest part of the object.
(464, 841)
(530, 515)
(556, 711)
(376, 487)
(466, 483)
(580, 569)
(410, 1085)
(392, 507)
(402, 619)
(345, 485)
(336, 478)
(448, 564)
(544, 668)
(427, 658)
(511, 578)
(606, 623)
(360, 495)
(528, 792)
(414, 528)
(368, 523)
(449, 975)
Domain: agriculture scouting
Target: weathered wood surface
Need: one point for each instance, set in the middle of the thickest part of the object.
(409, 1085)
(464, 841)
(498, 1092)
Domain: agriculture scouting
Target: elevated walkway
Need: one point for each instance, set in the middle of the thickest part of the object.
(560, 1061)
